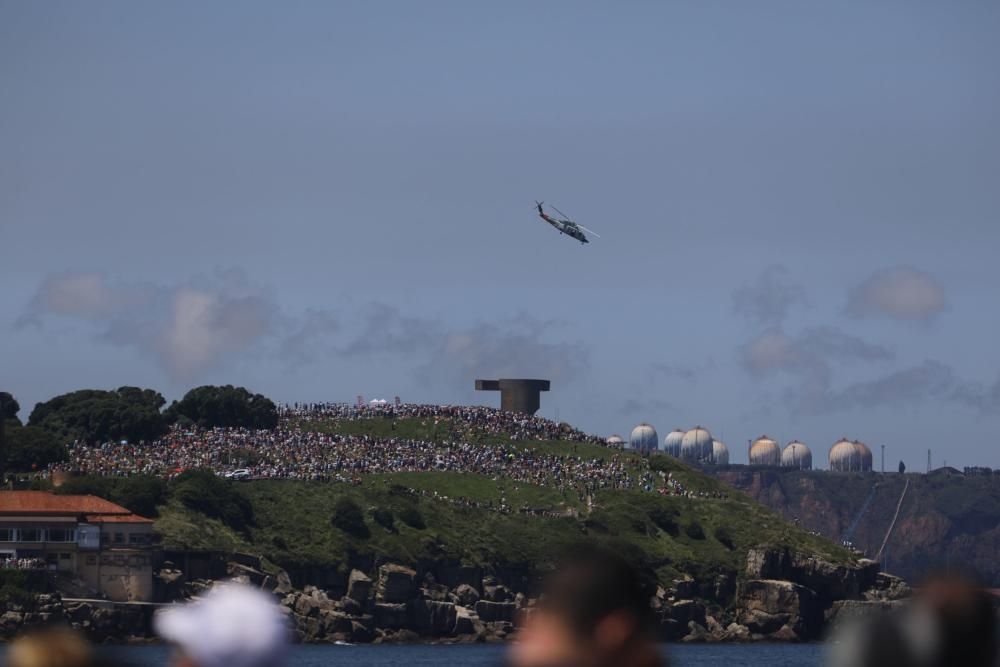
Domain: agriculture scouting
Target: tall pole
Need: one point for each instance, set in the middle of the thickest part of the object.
(883, 459)
(928, 461)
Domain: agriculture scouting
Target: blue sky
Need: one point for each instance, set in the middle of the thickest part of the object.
(798, 206)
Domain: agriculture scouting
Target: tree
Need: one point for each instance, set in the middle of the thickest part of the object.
(96, 415)
(9, 407)
(725, 539)
(203, 491)
(902, 467)
(30, 448)
(228, 406)
(141, 494)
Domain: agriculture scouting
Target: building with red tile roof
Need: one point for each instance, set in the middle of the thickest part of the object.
(96, 541)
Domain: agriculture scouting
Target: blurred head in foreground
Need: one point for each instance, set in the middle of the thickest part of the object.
(594, 612)
(230, 626)
(950, 621)
(58, 647)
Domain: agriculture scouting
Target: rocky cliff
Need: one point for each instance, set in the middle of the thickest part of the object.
(944, 520)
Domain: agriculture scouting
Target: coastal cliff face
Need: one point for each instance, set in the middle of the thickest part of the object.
(781, 596)
(943, 520)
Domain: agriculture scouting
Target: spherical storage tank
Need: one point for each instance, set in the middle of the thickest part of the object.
(866, 455)
(845, 457)
(696, 445)
(616, 441)
(672, 443)
(644, 438)
(796, 455)
(764, 452)
(720, 453)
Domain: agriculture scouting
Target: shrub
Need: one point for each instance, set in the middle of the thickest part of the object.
(694, 531)
(348, 517)
(384, 518)
(724, 538)
(14, 591)
(412, 517)
(664, 520)
(205, 492)
(661, 463)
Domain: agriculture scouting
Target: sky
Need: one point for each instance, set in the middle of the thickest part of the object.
(798, 206)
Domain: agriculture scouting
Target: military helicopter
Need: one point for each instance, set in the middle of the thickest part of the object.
(565, 225)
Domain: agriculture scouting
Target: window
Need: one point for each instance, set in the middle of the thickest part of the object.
(30, 535)
(119, 538)
(6, 534)
(63, 556)
(62, 535)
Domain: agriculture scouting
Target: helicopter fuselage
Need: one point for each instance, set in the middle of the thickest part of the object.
(567, 227)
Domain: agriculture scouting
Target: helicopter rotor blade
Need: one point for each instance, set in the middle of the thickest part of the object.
(589, 230)
(559, 212)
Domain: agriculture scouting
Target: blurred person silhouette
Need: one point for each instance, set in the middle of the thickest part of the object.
(950, 621)
(53, 647)
(594, 612)
(232, 625)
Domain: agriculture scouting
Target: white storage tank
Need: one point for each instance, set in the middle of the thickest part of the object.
(672, 443)
(696, 446)
(720, 453)
(765, 452)
(845, 457)
(796, 455)
(644, 438)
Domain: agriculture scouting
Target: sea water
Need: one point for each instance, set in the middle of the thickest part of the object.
(492, 655)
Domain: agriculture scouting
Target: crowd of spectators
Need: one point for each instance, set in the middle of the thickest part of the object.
(671, 486)
(298, 449)
(487, 421)
(295, 451)
(22, 564)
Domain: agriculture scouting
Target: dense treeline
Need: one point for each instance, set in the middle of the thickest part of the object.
(199, 490)
(227, 406)
(127, 413)
(96, 415)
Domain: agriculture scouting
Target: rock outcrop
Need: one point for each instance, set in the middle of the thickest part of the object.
(767, 607)
(782, 596)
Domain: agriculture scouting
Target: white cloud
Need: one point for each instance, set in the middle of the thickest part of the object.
(187, 329)
(901, 293)
(808, 358)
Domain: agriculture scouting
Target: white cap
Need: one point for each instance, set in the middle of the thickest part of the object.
(232, 625)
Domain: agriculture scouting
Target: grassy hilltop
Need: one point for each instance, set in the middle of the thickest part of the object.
(428, 517)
